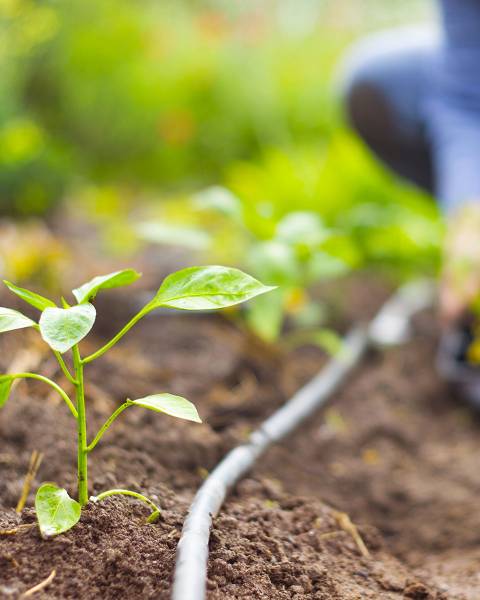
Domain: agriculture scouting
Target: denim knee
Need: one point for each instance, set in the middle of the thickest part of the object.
(392, 68)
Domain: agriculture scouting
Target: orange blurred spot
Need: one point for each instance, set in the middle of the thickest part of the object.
(296, 300)
(213, 24)
(370, 456)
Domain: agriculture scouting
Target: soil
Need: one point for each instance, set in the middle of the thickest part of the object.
(393, 450)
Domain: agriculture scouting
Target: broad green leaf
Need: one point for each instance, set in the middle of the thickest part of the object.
(206, 288)
(31, 297)
(175, 406)
(62, 328)
(5, 387)
(89, 290)
(12, 319)
(56, 511)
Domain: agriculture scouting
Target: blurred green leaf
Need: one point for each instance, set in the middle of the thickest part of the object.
(302, 227)
(5, 387)
(161, 233)
(265, 315)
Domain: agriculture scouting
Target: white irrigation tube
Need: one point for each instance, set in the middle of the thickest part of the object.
(390, 326)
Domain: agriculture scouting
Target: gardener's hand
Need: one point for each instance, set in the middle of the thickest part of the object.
(461, 271)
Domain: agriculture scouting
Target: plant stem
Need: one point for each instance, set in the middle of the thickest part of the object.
(155, 510)
(82, 429)
(146, 309)
(49, 382)
(107, 424)
(64, 368)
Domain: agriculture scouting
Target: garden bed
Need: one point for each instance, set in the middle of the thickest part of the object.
(393, 451)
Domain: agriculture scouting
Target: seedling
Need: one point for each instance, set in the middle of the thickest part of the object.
(62, 328)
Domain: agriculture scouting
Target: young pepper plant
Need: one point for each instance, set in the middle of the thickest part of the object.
(62, 328)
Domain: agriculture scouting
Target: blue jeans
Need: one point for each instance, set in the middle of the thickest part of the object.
(384, 83)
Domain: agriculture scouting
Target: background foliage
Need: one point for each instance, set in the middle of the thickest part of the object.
(119, 97)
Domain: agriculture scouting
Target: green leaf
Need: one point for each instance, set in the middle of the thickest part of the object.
(89, 290)
(302, 227)
(62, 328)
(12, 319)
(5, 387)
(220, 200)
(175, 406)
(275, 262)
(206, 288)
(265, 315)
(56, 511)
(327, 339)
(323, 266)
(31, 297)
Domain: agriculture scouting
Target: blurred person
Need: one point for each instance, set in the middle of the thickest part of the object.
(413, 95)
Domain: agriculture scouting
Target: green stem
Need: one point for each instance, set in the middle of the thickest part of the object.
(82, 429)
(64, 368)
(155, 510)
(146, 309)
(107, 424)
(49, 382)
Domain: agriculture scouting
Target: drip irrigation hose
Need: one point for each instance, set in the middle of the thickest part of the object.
(390, 326)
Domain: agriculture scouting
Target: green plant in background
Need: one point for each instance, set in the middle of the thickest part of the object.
(294, 258)
(29, 251)
(292, 252)
(385, 225)
(34, 165)
(62, 328)
(305, 215)
(118, 92)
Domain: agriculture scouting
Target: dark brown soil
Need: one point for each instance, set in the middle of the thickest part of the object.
(269, 544)
(396, 450)
(393, 451)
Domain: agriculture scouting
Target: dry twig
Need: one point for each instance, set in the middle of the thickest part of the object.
(40, 586)
(17, 529)
(345, 523)
(34, 465)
